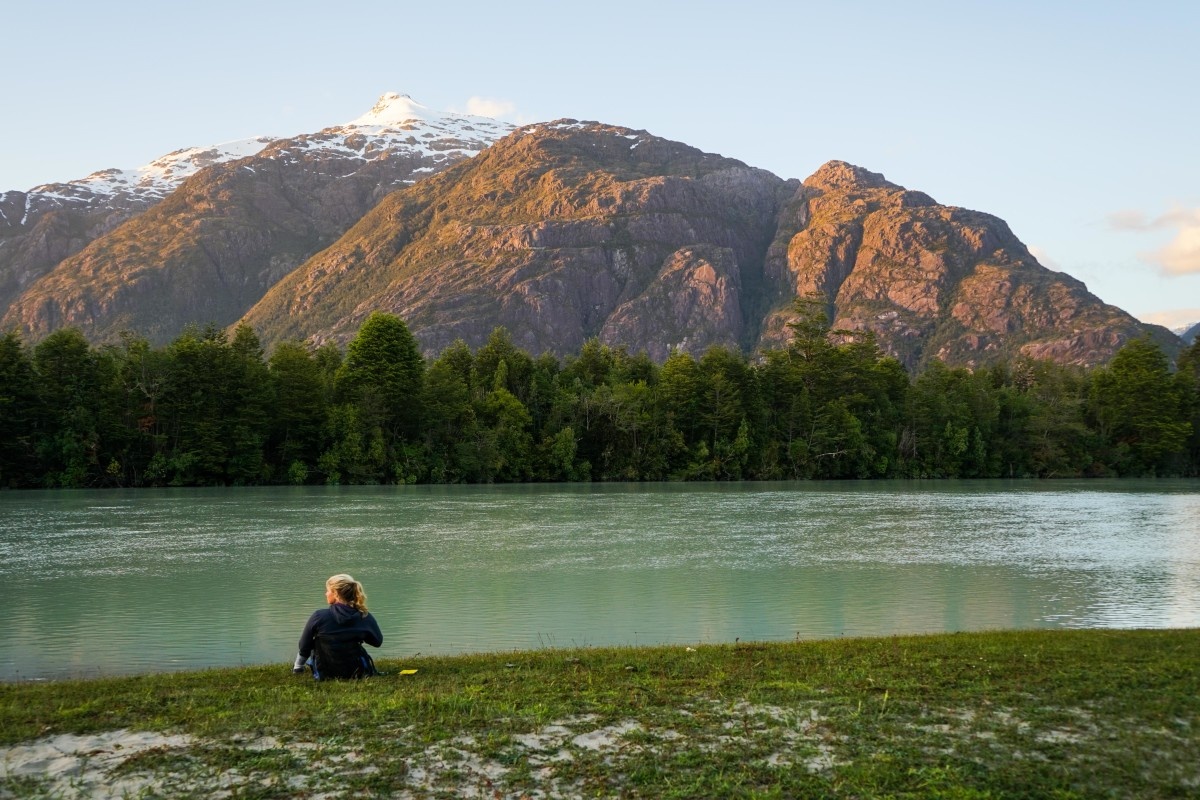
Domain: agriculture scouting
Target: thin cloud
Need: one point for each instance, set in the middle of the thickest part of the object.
(1043, 257)
(1181, 256)
(496, 109)
(1128, 220)
(1176, 318)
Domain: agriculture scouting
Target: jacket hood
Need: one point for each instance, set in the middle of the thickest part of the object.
(342, 612)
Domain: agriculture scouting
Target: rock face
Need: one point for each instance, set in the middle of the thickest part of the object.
(228, 232)
(697, 293)
(933, 281)
(560, 232)
(571, 230)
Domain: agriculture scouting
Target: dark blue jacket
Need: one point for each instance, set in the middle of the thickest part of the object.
(342, 631)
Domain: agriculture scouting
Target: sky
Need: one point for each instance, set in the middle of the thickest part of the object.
(1075, 122)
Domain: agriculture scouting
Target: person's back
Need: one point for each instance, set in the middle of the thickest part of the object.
(333, 638)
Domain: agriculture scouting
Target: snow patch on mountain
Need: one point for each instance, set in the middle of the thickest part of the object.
(396, 124)
(149, 183)
(394, 110)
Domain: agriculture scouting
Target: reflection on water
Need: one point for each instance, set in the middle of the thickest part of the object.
(100, 582)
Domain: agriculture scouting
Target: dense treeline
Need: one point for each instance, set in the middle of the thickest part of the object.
(210, 409)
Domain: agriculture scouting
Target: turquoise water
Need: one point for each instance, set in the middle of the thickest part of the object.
(100, 582)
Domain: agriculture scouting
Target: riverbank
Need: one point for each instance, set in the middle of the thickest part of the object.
(1032, 713)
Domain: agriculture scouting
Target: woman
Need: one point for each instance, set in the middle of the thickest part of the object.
(332, 641)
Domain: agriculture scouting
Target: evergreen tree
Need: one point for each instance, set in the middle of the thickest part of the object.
(951, 418)
(247, 403)
(141, 379)
(19, 414)
(1188, 378)
(506, 424)
(680, 384)
(833, 410)
(328, 358)
(1041, 427)
(382, 373)
(72, 386)
(207, 410)
(500, 365)
(195, 450)
(726, 394)
(298, 411)
(450, 416)
(1141, 411)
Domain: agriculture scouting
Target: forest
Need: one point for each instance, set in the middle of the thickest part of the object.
(211, 408)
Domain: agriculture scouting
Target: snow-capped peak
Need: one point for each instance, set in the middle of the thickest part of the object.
(158, 178)
(394, 109)
(145, 185)
(395, 123)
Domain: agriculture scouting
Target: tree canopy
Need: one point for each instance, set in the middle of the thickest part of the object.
(208, 409)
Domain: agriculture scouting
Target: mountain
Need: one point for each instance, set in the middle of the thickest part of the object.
(933, 281)
(569, 230)
(49, 223)
(199, 236)
(559, 232)
(1188, 333)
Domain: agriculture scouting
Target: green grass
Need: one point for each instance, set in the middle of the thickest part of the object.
(1060, 714)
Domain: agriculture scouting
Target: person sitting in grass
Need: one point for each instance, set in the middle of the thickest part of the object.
(332, 641)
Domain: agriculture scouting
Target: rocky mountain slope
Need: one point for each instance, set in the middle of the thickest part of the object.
(933, 281)
(558, 232)
(570, 230)
(41, 227)
(110, 253)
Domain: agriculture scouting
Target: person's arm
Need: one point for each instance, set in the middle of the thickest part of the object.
(306, 637)
(372, 635)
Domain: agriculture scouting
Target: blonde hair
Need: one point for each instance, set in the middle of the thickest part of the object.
(348, 591)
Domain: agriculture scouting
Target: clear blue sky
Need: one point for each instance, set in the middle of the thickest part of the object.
(1077, 122)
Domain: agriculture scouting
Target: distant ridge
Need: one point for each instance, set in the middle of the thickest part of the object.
(1189, 335)
(198, 236)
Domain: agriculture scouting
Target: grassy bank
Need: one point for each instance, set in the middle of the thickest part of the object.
(1012, 714)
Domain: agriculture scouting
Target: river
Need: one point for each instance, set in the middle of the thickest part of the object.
(106, 582)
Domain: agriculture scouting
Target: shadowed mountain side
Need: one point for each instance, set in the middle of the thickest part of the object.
(1191, 334)
(35, 235)
(559, 232)
(209, 251)
(206, 253)
(41, 227)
